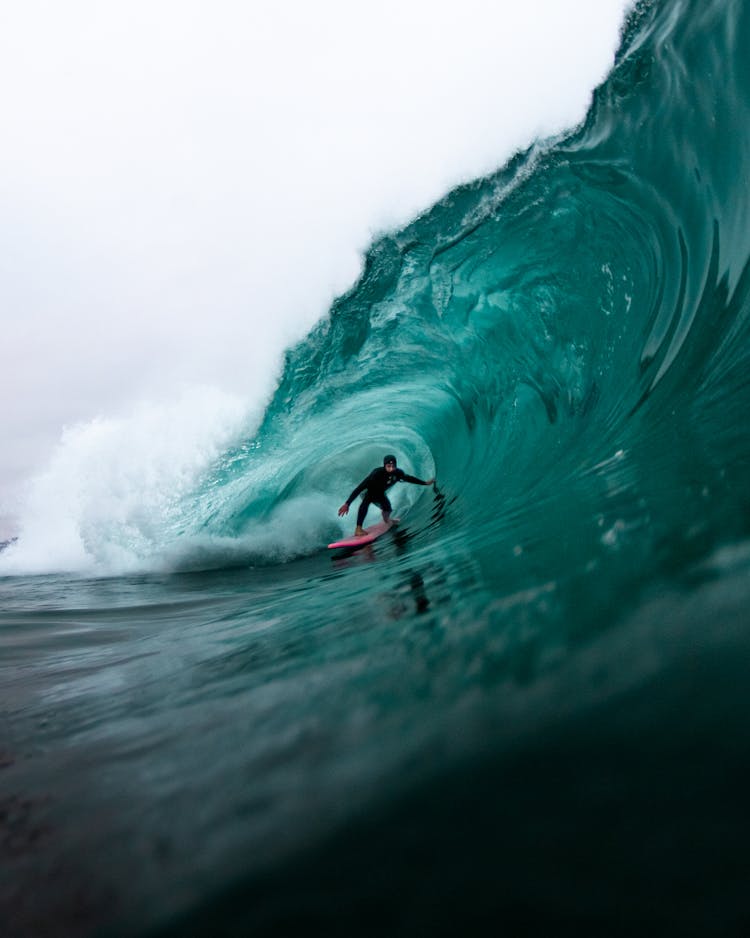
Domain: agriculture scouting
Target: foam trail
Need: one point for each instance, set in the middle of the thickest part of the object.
(108, 499)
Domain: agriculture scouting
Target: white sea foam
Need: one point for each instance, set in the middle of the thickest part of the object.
(111, 494)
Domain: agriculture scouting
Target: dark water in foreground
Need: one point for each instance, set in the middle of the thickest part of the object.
(526, 710)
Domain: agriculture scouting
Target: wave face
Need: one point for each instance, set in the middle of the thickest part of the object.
(564, 344)
(517, 705)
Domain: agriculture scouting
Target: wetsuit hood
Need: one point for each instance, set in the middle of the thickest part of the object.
(389, 458)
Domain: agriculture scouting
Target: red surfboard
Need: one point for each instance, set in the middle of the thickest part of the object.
(371, 534)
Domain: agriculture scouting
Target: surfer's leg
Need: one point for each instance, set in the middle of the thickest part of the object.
(363, 506)
(386, 508)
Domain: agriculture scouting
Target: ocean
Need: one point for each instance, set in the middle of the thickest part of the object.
(524, 711)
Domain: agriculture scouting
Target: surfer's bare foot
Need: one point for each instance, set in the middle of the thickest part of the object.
(359, 531)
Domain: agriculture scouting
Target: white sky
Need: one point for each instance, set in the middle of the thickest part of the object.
(186, 184)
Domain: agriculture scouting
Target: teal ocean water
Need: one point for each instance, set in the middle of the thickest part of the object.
(526, 709)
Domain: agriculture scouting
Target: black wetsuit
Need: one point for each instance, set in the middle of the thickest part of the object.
(374, 487)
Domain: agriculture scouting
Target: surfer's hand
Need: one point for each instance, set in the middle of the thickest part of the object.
(430, 482)
(344, 510)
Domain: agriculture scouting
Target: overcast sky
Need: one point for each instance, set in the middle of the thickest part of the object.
(185, 186)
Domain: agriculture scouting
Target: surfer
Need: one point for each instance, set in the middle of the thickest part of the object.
(374, 487)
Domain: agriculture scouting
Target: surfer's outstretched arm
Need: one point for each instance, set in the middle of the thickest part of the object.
(415, 481)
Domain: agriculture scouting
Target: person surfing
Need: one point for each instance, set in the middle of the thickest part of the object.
(374, 487)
